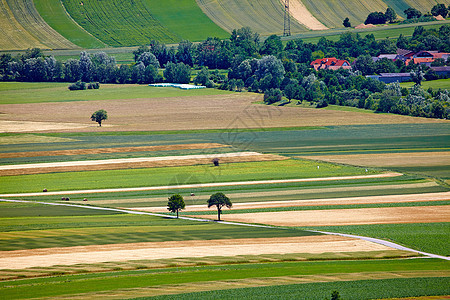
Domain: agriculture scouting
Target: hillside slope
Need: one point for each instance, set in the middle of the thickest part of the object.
(26, 14)
(263, 16)
(131, 23)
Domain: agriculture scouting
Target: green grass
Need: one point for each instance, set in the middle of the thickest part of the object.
(19, 93)
(168, 176)
(132, 23)
(53, 12)
(94, 283)
(434, 84)
(185, 19)
(362, 289)
(11, 210)
(427, 237)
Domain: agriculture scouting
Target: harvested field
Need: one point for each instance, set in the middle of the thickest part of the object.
(336, 217)
(21, 259)
(403, 159)
(314, 202)
(29, 126)
(135, 163)
(112, 150)
(193, 112)
(299, 11)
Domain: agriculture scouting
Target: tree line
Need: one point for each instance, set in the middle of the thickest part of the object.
(267, 67)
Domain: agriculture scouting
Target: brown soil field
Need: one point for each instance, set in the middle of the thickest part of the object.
(20, 259)
(182, 113)
(139, 165)
(299, 11)
(404, 159)
(113, 150)
(336, 217)
(313, 202)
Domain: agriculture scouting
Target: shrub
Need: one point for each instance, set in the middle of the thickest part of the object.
(93, 86)
(79, 85)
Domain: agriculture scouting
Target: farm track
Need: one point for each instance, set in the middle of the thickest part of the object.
(214, 184)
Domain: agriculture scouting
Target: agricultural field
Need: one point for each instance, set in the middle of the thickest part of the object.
(102, 228)
(55, 15)
(26, 14)
(139, 22)
(266, 18)
(14, 36)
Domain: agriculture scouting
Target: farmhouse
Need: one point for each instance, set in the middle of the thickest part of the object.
(411, 57)
(330, 63)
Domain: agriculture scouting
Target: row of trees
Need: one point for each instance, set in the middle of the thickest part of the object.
(411, 13)
(212, 53)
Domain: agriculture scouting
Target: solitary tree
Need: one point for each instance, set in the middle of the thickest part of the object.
(99, 116)
(176, 203)
(347, 23)
(219, 200)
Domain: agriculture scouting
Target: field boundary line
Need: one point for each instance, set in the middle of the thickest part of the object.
(199, 185)
(369, 239)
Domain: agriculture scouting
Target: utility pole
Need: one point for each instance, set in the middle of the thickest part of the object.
(287, 19)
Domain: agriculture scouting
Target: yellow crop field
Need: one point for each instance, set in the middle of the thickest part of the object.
(26, 14)
(263, 16)
(14, 36)
(332, 13)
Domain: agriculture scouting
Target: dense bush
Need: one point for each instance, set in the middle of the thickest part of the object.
(79, 85)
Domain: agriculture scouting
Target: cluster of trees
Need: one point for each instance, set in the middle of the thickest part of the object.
(381, 18)
(411, 14)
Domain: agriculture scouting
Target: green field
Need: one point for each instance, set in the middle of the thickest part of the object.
(19, 92)
(162, 176)
(160, 279)
(427, 237)
(434, 84)
(54, 13)
(138, 22)
(363, 289)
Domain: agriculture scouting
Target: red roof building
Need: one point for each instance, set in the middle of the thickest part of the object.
(330, 63)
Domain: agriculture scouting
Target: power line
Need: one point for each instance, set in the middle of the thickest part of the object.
(287, 19)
